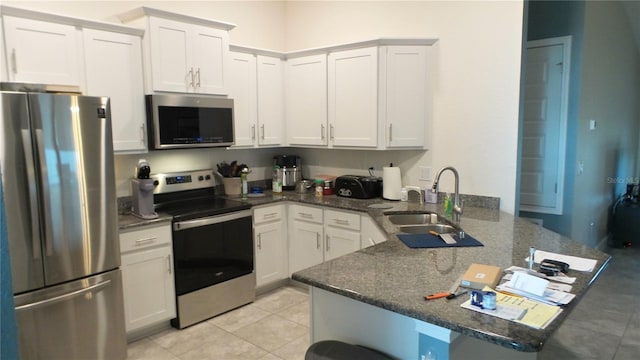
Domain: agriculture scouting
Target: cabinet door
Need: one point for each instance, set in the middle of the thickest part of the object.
(306, 105)
(353, 97)
(270, 252)
(340, 242)
(119, 76)
(171, 68)
(210, 59)
(41, 52)
(147, 278)
(404, 97)
(370, 234)
(306, 246)
(270, 100)
(243, 91)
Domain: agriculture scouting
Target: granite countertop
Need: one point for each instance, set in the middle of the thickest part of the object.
(378, 275)
(394, 277)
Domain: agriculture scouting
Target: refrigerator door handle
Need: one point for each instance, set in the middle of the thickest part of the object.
(63, 297)
(33, 201)
(46, 194)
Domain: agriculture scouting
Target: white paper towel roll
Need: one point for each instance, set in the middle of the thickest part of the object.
(391, 183)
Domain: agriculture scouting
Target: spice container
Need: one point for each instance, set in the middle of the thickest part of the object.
(328, 187)
(319, 187)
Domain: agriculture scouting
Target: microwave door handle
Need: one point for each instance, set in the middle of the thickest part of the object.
(33, 201)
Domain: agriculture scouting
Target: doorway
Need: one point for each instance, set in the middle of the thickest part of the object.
(544, 130)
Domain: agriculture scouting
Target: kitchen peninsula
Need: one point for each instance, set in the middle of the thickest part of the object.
(375, 297)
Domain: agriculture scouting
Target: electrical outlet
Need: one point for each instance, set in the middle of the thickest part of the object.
(425, 173)
(580, 167)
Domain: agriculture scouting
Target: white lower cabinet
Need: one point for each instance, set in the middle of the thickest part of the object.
(370, 234)
(147, 276)
(317, 235)
(270, 244)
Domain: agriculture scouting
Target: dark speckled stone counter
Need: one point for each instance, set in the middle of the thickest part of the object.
(394, 277)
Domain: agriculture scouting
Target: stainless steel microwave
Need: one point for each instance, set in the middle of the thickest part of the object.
(188, 121)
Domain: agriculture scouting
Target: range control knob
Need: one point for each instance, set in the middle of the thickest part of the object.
(200, 178)
(207, 177)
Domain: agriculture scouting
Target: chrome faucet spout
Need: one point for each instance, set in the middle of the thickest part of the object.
(457, 205)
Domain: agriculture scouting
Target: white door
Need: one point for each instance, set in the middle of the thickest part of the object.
(270, 100)
(41, 52)
(353, 97)
(544, 125)
(306, 246)
(270, 253)
(243, 91)
(306, 107)
(170, 55)
(405, 98)
(118, 76)
(210, 60)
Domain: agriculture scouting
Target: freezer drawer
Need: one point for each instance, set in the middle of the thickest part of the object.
(83, 319)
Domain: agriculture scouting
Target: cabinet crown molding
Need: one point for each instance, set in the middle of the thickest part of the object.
(148, 11)
(69, 20)
(362, 44)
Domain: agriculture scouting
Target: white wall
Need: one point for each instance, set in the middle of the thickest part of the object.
(476, 88)
(609, 94)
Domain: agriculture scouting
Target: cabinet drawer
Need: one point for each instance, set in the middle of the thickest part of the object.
(345, 220)
(144, 238)
(306, 213)
(267, 213)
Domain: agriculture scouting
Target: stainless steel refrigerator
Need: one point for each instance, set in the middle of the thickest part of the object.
(56, 158)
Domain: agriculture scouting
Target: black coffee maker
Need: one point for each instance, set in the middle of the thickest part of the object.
(142, 191)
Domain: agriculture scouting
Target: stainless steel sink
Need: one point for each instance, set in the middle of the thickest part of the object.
(426, 229)
(414, 219)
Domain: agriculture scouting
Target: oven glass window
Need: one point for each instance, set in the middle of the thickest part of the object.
(191, 125)
(208, 255)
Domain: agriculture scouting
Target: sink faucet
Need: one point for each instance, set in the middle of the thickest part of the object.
(457, 205)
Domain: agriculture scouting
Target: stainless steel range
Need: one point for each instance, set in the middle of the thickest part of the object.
(212, 246)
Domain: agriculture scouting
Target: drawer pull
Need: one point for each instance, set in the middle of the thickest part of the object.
(269, 216)
(146, 240)
(341, 222)
(306, 215)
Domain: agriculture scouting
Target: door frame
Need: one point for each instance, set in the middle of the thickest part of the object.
(565, 41)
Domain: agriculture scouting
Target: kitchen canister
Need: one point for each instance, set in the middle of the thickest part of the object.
(391, 183)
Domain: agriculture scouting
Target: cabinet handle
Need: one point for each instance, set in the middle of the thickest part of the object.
(198, 76)
(169, 264)
(262, 131)
(327, 242)
(390, 133)
(142, 132)
(253, 132)
(14, 61)
(191, 77)
(306, 215)
(259, 242)
(145, 240)
(341, 222)
(317, 240)
(331, 132)
(269, 215)
(322, 135)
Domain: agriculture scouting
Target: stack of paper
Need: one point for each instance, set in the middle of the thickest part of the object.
(536, 288)
(520, 310)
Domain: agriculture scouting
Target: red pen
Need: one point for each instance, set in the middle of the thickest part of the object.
(437, 296)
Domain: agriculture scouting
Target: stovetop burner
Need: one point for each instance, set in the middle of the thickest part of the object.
(191, 195)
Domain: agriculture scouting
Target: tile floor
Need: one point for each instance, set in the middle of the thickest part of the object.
(604, 325)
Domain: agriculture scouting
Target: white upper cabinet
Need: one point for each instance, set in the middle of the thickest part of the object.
(119, 76)
(243, 89)
(270, 100)
(256, 87)
(404, 97)
(41, 52)
(183, 53)
(353, 98)
(187, 58)
(306, 100)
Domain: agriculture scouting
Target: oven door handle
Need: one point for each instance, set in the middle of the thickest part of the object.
(184, 225)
